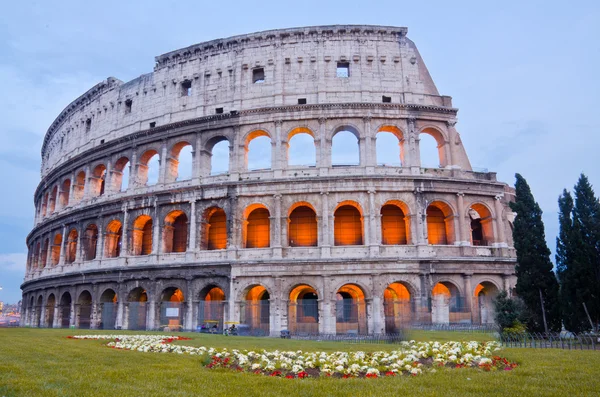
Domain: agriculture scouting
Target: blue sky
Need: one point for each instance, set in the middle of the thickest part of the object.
(522, 73)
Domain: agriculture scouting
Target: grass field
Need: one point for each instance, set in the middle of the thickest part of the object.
(41, 362)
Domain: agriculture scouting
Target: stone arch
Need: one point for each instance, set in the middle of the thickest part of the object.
(395, 223)
(398, 306)
(303, 228)
(98, 180)
(212, 307)
(142, 235)
(175, 233)
(44, 253)
(303, 309)
(256, 309)
(348, 224)
(440, 223)
(65, 310)
(79, 186)
(56, 246)
(172, 308)
(38, 312)
(257, 226)
(108, 309)
(121, 173)
(180, 152)
(65, 190)
(214, 229)
(90, 242)
(112, 239)
(218, 145)
(255, 158)
(484, 294)
(300, 141)
(71, 248)
(389, 152)
(52, 200)
(481, 224)
(50, 306)
(351, 312)
(84, 309)
(137, 308)
(45, 204)
(344, 150)
(440, 140)
(148, 170)
(448, 304)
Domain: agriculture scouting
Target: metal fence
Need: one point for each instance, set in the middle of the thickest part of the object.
(351, 338)
(562, 340)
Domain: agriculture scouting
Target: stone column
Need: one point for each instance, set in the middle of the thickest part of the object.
(276, 227)
(461, 233)
(71, 187)
(424, 314)
(163, 163)
(156, 232)
(197, 169)
(413, 152)
(276, 153)
(72, 314)
(133, 171)
(324, 226)
(100, 242)
(452, 135)
(468, 293)
(121, 320)
(125, 234)
(193, 227)
(188, 320)
(420, 218)
(61, 261)
(370, 148)
(42, 322)
(151, 314)
(86, 181)
(372, 242)
(324, 158)
(55, 320)
(498, 208)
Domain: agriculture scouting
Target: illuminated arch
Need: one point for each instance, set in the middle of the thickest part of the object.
(112, 240)
(214, 229)
(175, 234)
(302, 225)
(484, 295)
(79, 187)
(65, 190)
(181, 152)
(90, 242)
(98, 180)
(71, 248)
(147, 170)
(253, 159)
(257, 226)
(348, 224)
(440, 223)
(256, 309)
(303, 309)
(219, 163)
(121, 175)
(300, 148)
(56, 246)
(395, 223)
(393, 157)
(481, 224)
(351, 314)
(142, 235)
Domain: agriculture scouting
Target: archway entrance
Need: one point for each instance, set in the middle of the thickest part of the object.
(65, 310)
(351, 313)
(447, 306)
(397, 306)
(38, 312)
(483, 306)
(211, 309)
(172, 309)
(303, 310)
(108, 310)
(84, 310)
(50, 305)
(256, 311)
(137, 310)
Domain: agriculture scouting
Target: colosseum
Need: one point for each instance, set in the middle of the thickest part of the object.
(274, 221)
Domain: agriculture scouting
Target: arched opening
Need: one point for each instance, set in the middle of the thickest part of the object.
(256, 311)
(44, 253)
(84, 310)
(301, 148)
(172, 309)
(71, 252)
(55, 256)
(120, 175)
(30, 312)
(398, 308)
(395, 226)
(351, 313)
(389, 147)
(215, 229)
(65, 189)
(112, 244)
(447, 306)
(148, 168)
(348, 225)
(52, 200)
(484, 296)
(211, 309)
(65, 310)
(302, 227)
(431, 148)
(50, 305)
(45, 205)
(175, 233)
(38, 312)
(180, 163)
(258, 228)
(37, 256)
(258, 151)
(142, 235)
(440, 224)
(90, 242)
(79, 187)
(482, 229)
(345, 148)
(303, 310)
(219, 155)
(108, 307)
(98, 180)
(137, 309)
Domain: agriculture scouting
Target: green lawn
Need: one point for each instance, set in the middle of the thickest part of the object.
(36, 362)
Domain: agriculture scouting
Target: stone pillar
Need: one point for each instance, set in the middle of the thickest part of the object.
(156, 232)
(498, 208)
(468, 293)
(276, 227)
(197, 169)
(121, 320)
(188, 320)
(324, 226)
(324, 158)
(42, 322)
(71, 187)
(452, 154)
(100, 242)
(61, 261)
(372, 242)
(72, 314)
(192, 246)
(133, 171)
(276, 153)
(55, 320)
(163, 163)
(413, 155)
(125, 234)
(86, 181)
(424, 312)
(370, 148)
(232, 163)
(420, 218)
(151, 315)
(79, 248)
(461, 236)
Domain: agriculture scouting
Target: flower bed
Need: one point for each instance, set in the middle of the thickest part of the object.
(410, 358)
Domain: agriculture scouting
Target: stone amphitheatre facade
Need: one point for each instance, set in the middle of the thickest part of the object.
(329, 248)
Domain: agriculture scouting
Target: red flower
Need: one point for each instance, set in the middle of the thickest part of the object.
(371, 375)
(390, 373)
(302, 375)
(289, 376)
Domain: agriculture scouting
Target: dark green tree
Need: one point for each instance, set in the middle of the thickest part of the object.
(509, 312)
(586, 251)
(536, 281)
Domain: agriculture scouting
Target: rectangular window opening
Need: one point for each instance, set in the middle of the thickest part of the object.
(219, 110)
(258, 76)
(88, 125)
(153, 124)
(128, 104)
(301, 101)
(186, 88)
(386, 99)
(343, 70)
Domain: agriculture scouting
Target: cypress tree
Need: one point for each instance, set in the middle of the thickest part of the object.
(586, 251)
(535, 276)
